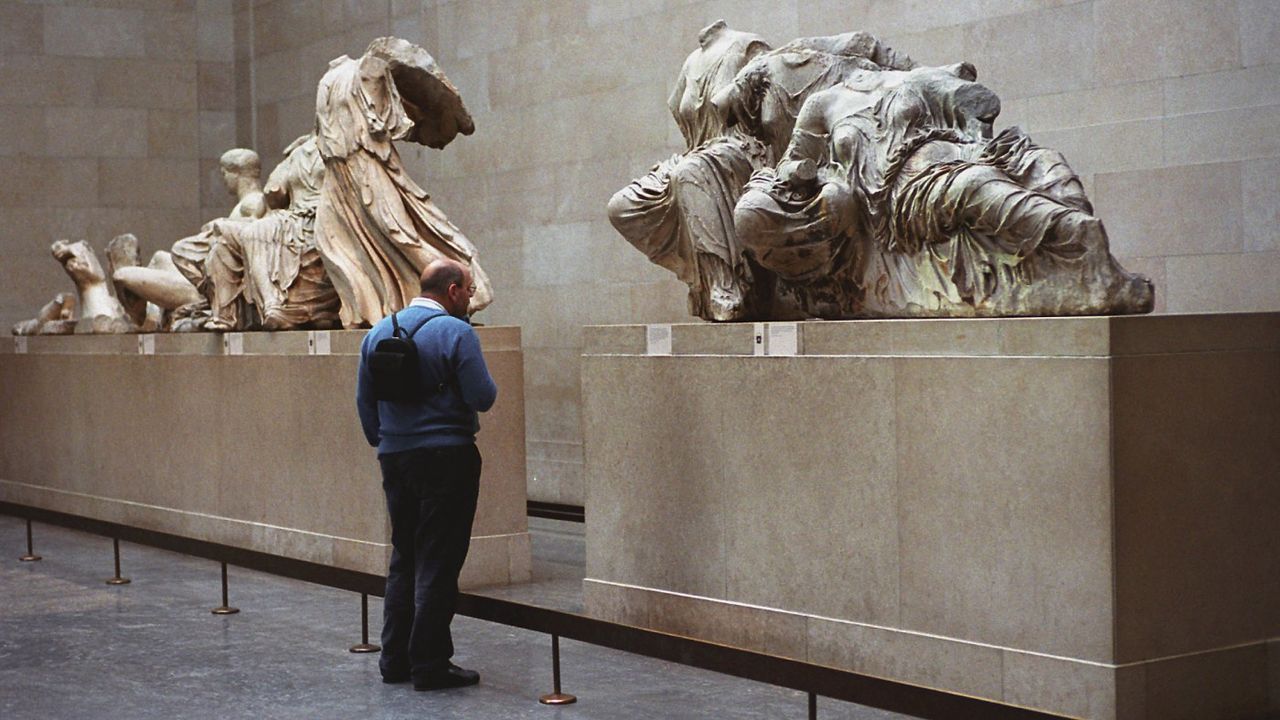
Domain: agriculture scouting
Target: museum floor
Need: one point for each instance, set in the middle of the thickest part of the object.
(74, 647)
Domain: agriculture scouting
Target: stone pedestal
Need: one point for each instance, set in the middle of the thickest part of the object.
(250, 440)
(1080, 515)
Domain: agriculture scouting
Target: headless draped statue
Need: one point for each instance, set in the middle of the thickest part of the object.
(376, 229)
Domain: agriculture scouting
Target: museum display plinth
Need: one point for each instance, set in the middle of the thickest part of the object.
(1079, 515)
(259, 450)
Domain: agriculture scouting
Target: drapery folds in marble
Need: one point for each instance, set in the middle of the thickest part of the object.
(375, 227)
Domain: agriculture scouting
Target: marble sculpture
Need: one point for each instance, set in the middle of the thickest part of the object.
(835, 177)
(375, 227)
(57, 317)
(337, 237)
(269, 273)
(100, 311)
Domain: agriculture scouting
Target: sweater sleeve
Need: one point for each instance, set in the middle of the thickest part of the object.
(366, 405)
(477, 386)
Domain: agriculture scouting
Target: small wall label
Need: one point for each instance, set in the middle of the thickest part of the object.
(233, 343)
(319, 342)
(757, 339)
(783, 339)
(658, 339)
(147, 344)
(20, 344)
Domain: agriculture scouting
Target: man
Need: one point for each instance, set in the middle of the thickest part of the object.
(431, 475)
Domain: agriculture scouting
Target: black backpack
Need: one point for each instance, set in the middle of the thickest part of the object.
(393, 365)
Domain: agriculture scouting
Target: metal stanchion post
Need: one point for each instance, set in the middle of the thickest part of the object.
(813, 707)
(225, 608)
(30, 556)
(556, 697)
(364, 646)
(117, 580)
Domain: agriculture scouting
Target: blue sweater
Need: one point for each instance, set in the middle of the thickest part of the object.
(448, 352)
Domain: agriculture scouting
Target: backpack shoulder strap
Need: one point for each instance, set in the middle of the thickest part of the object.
(422, 324)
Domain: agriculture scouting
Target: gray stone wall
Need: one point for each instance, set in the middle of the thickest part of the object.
(112, 117)
(1169, 109)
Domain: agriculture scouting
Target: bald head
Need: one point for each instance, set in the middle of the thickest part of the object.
(438, 275)
(449, 283)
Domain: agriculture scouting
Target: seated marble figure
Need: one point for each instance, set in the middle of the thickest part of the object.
(268, 273)
(878, 188)
(177, 281)
(681, 213)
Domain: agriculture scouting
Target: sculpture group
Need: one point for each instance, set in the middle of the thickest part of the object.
(336, 238)
(834, 177)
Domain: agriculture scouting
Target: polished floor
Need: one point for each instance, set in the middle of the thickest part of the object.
(73, 647)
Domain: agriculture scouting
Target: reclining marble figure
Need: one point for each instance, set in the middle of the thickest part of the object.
(100, 312)
(177, 281)
(885, 192)
(147, 293)
(57, 317)
(376, 229)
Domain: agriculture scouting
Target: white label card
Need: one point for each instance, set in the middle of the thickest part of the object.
(319, 342)
(757, 339)
(20, 345)
(658, 339)
(784, 339)
(233, 343)
(146, 344)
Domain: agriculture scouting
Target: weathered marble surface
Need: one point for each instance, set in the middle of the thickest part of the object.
(100, 312)
(836, 178)
(338, 237)
(57, 317)
(375, 227)
(269, 273)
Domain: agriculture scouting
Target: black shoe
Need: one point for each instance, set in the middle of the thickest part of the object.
(451, 677)
(395, 678)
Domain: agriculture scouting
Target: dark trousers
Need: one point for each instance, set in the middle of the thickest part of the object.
(431, 497)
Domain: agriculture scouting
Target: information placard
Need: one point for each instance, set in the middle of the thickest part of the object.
(783, 339)
(146, 344)
(233, 343)
(20, 344)
(319, 342)
(658, 339)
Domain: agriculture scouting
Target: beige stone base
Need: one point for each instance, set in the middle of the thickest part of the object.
(1223, 683)
(1075, 514)
(260, 450)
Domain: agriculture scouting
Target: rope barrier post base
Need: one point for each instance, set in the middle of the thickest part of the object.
(365, 646)
(225, 608)
(30, 556)
(117, 579)
(556, 697)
